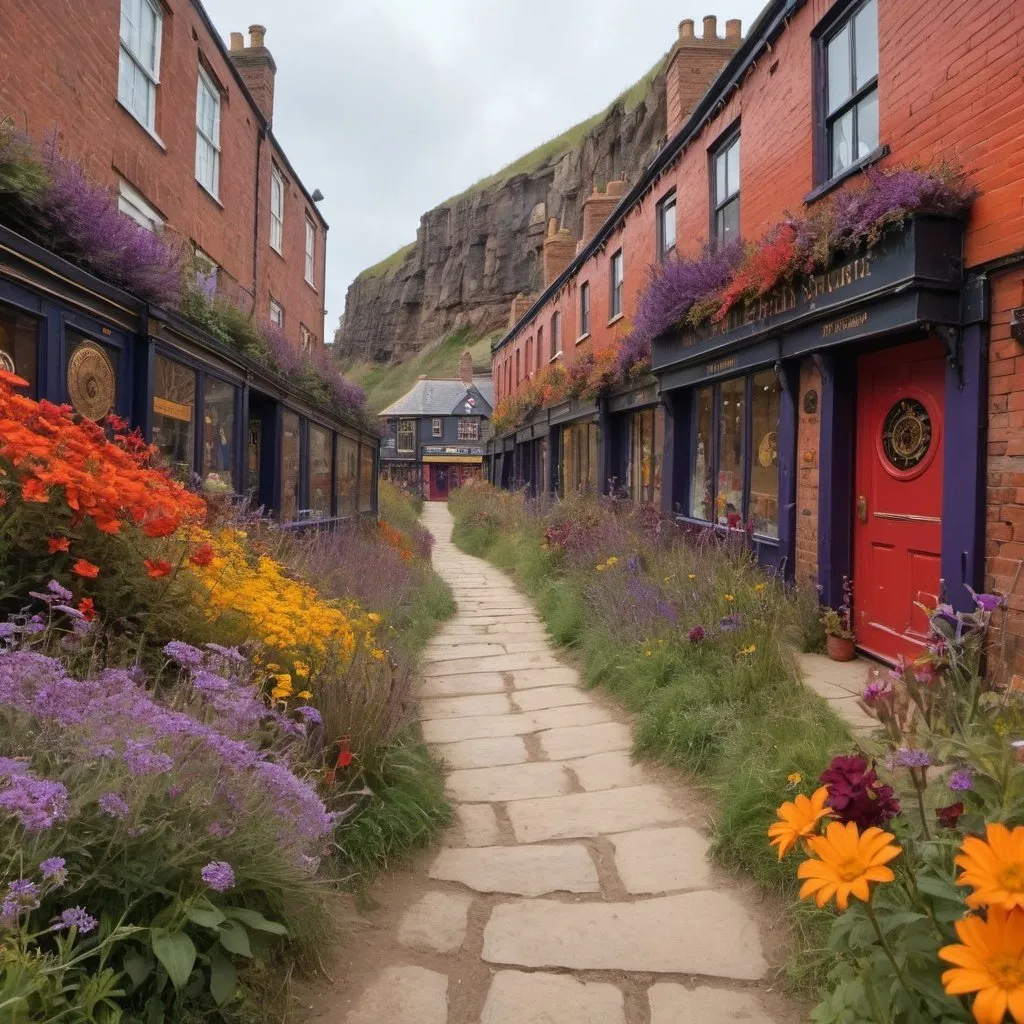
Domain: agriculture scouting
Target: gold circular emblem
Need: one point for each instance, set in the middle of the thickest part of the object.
(91, 381)
(906, 433)
(768, 449)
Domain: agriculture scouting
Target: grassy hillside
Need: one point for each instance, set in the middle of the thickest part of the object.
(384, 383)
(546, 153)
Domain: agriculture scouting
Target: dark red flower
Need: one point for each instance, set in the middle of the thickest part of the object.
(949, 816)
(856, 794)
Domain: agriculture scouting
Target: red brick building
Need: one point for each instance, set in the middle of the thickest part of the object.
(781, 420)
(146, 96)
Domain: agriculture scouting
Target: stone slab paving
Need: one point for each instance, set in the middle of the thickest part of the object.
(841, 683)
(564, 856)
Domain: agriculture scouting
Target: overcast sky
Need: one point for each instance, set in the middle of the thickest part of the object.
(391, 106)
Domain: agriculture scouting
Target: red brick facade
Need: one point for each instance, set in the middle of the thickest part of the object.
(59, 72)
(950, 87)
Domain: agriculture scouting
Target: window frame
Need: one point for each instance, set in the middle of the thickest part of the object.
(616, 278)
(132, 203)
(437, 427)
(276, 307)
(276, 215)
(466, 434)
(718, 205)
(206, 83)
(408, 427)
(584, 311)
(556, 335)
(667, 204)
(841, 15)
(310, 253)
(152, 75)
(540, 346)
(307, 338)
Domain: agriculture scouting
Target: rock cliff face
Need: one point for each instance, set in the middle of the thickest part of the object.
(473, 254)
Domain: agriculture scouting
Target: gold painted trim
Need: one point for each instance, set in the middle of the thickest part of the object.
(907, 517)
(463, 459)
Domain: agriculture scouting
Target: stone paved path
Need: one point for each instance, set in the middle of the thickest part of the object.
(580, 882)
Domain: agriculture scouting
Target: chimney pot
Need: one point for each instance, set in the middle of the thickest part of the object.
(734, 30)
(686, 30)
(257, 34)
(237, 42)
(710, 27)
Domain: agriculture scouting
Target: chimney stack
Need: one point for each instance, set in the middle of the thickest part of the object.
(598, 206)
(694, 63)
(520, 305)
(559, 250)
(257, 67)
(466, 368)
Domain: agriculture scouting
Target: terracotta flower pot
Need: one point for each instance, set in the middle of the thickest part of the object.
(840, 648)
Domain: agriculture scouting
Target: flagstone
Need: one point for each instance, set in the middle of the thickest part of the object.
(662, 860)
(570, 716)
(483, 753)
(580, 741)
(550, 697)
(613, 769)
(438, 653)
(706, 933)
(454, 686)
(519, 870)
(465, 706)
(403, 995)
(493, 663)
(532, 678)
(675, 1004)
(475, 825)
(436, 921)
(451, 730)
(519, 997)
(509, 782)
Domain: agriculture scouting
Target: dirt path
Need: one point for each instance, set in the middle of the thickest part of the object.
(575, 887)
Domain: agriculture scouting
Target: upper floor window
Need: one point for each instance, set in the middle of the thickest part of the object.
(310, 251)
(132, 204)
(556, 335)
(519, 375)
(540, 346)
(615, 303)
(469, 428)
(667, 227)
(208, 134)
(276, 313)
(436, 428)
(725, 189)
(139, 68)
(276, 209)
(406, 435)
(584, 309)
(529, 356)
(851, 88)
(307, 338)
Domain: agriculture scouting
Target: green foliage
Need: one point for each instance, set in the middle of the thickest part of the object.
(225, 322)
(21, 172)
(806, 600)
(386, 265)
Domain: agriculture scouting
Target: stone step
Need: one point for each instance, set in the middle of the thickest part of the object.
(672, 1003)
(437, 653)
(519, 870)
(453, 686)
(582, 740)
(494, 663)
(403, 995)
(518, 997)
(662, 860)
(432, 708)
(611, 770)
(484, 753)
(511, 782)
(550, 697)
(436, 922)
(704, 933)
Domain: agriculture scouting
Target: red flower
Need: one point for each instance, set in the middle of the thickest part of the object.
(345, 754)
(203, 555)
(157, 569)
(160, 526)
(106, 525)
(87, 608)
(12, 380)
(35, 490)
(55, 544)
(85, 569)
(949, 816)
(856, 794)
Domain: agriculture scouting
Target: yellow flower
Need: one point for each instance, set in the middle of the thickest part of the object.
(301, 669)
(612, 561)
(844, 862)
(798, 819)
(273, 667)
(377, 654)
(990, 961)
(601, 568)
(759, 587)
(373, 617)
(748, 650)
(795, 778)
(691, 576)
(994, 867)
(304, 695)
(648, 654)
(729, 597)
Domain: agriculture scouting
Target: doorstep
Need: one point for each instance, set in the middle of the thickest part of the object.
(841, 683)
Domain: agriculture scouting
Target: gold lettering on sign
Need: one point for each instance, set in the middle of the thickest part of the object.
(834, 280)
(844, 324)
(720, 366)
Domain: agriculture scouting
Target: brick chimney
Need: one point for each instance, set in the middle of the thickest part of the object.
(257, 67)
(693, 64)
(559, 249)
(466, 368)
(598, 206)
(520, 304)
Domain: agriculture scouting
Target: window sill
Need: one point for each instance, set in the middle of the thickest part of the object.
(555, 357)
(615, 319)
(275, 249)
(582, 338)
(145, 127)
(855, 168)
(209, 195)
(310, 285)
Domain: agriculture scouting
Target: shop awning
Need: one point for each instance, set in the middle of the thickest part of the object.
(475, 460)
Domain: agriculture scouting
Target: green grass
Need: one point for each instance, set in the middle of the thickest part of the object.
(385, 383)
(389, 263)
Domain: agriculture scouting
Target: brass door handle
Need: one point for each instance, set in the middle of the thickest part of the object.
(862, 509)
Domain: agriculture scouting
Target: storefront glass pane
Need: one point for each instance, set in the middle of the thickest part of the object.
(731, 453)
(219, 400)
(319, 471)
(174, 412)
(290, 453)
(642, 470)
(19, 335)
(366, 459)
(348, 472)
(593, 469)
(659, 448)
(702, 475)
(91, 375)
(764, 473)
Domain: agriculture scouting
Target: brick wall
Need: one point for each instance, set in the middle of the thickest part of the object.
(1004, 527)
(59, 72)
(808, 441)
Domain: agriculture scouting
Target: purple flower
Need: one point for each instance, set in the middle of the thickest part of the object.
(22, 897)
(75, 917)
(37, 803)
(696, 634)
(908, 757)
(141, 759)
(209, 682)
(310, 714)
(52, 870)
(730, 623)
(71, 613)
(873, 692)
(960, 780)
(218, 875)
(115, 805)
(59, 591)
(228, 653)
(988, 602)
(184, 654)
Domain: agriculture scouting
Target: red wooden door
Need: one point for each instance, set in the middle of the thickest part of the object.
(897, 533)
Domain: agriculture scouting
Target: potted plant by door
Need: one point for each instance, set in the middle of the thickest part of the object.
(838, 623)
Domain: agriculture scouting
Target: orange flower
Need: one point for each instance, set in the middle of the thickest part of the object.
(160, 526)
(157, 569)
(55, 544)
(844, 862)
(35, 490)
(107, 525)
(87, 608)
(203, 555)
(994, 867)
(12, 380)
(798, 819)
(85, 569)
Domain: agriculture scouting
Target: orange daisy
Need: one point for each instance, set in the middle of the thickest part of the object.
(994, 867)
(55, 544)
(85, 569)
(990, 961)
(35, 490)
(844, 862)
(798, 819)
(203, 555)
(157, 569)
(87, 608)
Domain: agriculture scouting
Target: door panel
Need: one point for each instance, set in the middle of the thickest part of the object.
(897, 533)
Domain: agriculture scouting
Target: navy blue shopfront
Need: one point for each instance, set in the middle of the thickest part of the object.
(223, 422)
